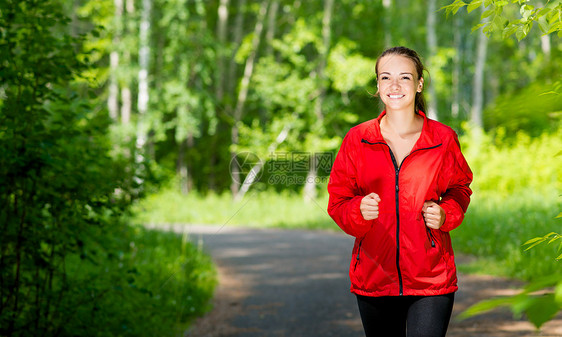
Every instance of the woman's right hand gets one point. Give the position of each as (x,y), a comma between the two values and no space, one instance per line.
(370,206)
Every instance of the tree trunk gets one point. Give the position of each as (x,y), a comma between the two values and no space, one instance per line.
(387,20)
(126,96)
(222,23)
(254,172)
(182,166)
(143,95)
(545,46)
(326,37)
(270,34)
(455,104)
(237,40)
(243,93)
(478,82)
(432,51)
(113,96)
(309,189)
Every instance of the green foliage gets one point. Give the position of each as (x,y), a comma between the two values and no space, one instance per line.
(498,16)
(538,308)
(516,165)
(521,110)
(69,266)
(550,237)
(257,209)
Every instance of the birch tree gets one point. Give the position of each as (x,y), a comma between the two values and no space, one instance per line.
(432,51)
(478,81)
(113,97)
(143,95)
(311,177)
(243,92)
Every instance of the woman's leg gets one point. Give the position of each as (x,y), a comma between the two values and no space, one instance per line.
(428,316)
(383,316)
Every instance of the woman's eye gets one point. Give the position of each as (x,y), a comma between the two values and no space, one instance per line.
(384,78)
(406,78)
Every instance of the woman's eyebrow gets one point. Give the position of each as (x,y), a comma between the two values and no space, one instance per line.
(387,73)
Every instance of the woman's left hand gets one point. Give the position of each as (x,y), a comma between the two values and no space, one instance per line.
(433,214)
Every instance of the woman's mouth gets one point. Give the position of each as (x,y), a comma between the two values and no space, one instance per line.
(395,96)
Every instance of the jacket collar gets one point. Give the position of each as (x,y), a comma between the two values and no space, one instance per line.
(428,137)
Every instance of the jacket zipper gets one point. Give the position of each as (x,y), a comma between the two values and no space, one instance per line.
(397,192)
(430,236)
(357,258)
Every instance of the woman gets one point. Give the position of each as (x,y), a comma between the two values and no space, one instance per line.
(399,184)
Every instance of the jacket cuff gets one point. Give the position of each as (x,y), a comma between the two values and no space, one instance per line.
(453,215)
(358,222)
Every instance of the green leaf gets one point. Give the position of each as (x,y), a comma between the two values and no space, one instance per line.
(558,293)
(486,305)
(487,13)
(540,238)
(542,309)
(509,30)
(475,28)
(559,215)
(520,33)
(474,5)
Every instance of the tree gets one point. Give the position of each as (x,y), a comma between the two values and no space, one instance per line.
(57,180)
(538,309)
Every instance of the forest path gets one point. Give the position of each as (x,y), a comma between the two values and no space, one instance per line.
(295,283)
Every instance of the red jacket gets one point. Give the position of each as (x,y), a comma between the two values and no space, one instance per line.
(396,254)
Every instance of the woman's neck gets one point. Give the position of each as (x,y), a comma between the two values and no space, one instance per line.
(402,122)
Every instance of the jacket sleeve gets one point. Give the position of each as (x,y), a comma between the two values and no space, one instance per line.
(456,198)
(345,195)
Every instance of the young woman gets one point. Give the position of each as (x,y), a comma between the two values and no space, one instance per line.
(399,184)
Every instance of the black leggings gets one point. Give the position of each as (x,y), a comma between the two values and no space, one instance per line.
(401,316)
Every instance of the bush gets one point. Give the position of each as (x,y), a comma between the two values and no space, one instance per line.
(69,265)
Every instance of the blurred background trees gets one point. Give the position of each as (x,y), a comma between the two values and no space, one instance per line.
(104,102)
(223,77)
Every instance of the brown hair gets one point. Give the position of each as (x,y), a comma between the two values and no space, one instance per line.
(412,55)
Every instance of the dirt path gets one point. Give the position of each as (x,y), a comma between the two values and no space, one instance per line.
(295,283)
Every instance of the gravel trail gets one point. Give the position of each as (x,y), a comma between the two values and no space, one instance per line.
(295,283)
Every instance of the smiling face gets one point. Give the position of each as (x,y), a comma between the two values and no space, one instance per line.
(398,82)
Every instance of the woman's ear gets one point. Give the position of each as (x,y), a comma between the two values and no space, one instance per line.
(420,85)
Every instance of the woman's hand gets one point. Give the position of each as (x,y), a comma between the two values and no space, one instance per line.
(433,214)
(370,206)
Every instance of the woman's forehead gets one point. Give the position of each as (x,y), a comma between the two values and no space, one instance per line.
(394,63)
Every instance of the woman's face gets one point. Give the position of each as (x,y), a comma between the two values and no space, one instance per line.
(398,82)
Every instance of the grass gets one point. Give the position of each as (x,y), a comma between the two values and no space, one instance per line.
(494,228)
(155,285)
(255,210)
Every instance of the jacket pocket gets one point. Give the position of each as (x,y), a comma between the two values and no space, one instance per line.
(358,255)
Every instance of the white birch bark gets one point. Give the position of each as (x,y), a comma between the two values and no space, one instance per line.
(243,93)
(455,90)
(309,190)
(237,39)
(126,96)
(143,96)
(387,19)
(478,81)
(222,23)
(432,51)
(270,34)
(113,95)
(255,170)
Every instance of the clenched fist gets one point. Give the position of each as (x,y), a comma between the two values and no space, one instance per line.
(370,206)
(433,214)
